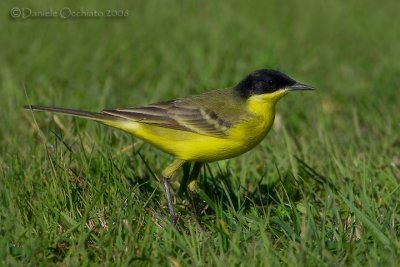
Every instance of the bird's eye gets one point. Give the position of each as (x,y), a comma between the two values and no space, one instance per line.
(271,83)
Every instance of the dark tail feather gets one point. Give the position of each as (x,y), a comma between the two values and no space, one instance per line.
(74,112)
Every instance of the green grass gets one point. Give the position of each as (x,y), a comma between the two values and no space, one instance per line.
(321,190)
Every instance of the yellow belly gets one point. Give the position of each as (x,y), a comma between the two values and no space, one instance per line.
(197,147)
(191,146)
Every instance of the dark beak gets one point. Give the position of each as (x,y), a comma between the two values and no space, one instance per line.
(300,86)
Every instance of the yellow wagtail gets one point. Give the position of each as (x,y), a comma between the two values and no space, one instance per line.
(215,125)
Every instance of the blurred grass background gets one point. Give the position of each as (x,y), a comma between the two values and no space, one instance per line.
(76,193)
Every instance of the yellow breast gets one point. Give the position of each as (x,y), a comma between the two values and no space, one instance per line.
(198,147)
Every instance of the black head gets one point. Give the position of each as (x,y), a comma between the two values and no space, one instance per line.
(266,81)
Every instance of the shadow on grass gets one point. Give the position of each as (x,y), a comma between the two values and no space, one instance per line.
(220,189)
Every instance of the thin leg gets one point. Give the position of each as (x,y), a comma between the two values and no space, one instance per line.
(167,189)
(166,175)
(192,185)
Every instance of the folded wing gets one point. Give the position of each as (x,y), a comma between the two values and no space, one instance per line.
(193,115)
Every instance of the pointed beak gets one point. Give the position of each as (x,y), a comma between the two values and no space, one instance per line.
(300,86)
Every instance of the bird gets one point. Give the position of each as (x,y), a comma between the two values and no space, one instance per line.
(207,127)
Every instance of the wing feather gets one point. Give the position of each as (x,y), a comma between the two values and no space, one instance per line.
(190,114)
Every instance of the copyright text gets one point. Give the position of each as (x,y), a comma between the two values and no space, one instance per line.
(66,13)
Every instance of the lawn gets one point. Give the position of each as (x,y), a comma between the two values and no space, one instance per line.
(322,189)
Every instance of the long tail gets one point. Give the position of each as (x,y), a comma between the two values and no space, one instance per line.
(97,116)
